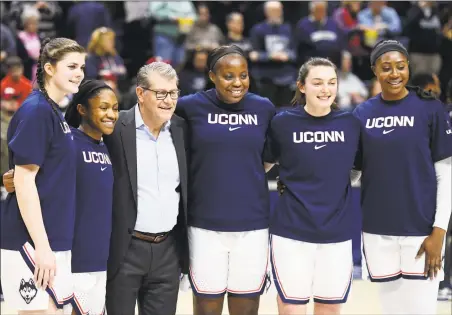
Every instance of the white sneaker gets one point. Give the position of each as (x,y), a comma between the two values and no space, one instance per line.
(445,294)
(184,284)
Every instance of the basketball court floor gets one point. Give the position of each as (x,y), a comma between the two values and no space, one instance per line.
(363,300)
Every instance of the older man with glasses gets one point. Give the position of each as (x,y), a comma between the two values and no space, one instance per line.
(148,248)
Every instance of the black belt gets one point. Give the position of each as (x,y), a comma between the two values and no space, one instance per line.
(151,237)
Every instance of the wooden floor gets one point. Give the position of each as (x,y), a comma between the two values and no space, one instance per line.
(362,300)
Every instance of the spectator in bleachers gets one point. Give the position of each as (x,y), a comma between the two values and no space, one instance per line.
(137,27)
(273,56)
(346,17)
(449,105)
(15,80)
(445,74)
(117,14)
(7,43)
(103,59)
(193,78)
(30,40)
(235,25)
(172,22)
(317,35)
(220,10)
(8,105)
(50,12)
(3,14)
(351,90)
(428,82)
(129,97)
(111,80)
(204,34)
(378,21)
(235,36)
(423,28)
(84,17)
(7,46)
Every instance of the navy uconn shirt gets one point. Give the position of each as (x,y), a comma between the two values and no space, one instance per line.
(229,190)
(315,155)
(401,141)
(93,206)
(36,135)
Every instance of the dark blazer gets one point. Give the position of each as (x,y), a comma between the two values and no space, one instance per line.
(121,145)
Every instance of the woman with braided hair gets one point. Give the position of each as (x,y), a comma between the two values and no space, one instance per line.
(37,222)
(91,114)
(405,159)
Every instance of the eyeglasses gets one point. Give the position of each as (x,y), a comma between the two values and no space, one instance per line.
(161,95)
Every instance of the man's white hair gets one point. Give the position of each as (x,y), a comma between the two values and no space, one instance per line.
(313,4)
(270,4)
(161,68)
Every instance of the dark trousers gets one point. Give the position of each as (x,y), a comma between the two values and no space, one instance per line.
(150,274)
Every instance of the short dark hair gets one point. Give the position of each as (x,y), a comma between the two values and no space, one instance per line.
(230,16)
(14,61)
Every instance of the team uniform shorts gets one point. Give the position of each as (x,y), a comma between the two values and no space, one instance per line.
(19,289)
(233,262)
(392,257)
(302,270)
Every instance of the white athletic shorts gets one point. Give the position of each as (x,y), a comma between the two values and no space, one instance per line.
(19,289)
(392,257)
(89,292)
(303,270)
(235,262)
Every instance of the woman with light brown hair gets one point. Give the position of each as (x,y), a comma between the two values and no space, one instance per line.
(103,59)
(37,220)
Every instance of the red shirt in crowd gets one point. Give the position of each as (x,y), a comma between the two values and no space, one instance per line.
(22,87)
